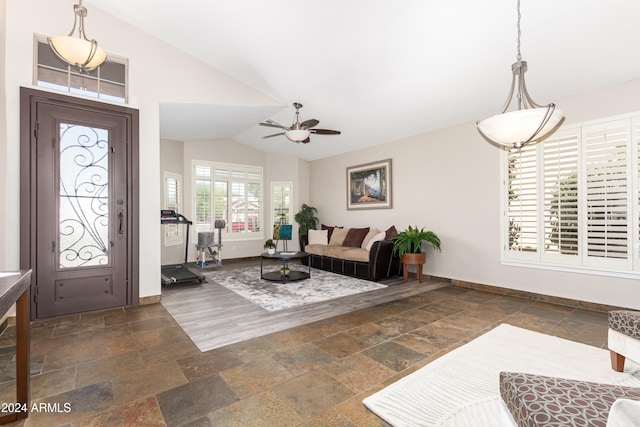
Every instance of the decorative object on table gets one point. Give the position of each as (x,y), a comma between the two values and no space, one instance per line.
(78,51)
(298,131)
(408,246)
(270,246)
(307,220)
(284,233)
(369,186)
(530,122)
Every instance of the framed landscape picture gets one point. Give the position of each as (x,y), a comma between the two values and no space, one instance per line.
(369,186)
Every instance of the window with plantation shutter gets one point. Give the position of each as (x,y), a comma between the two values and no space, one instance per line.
(173,201)
(232,193)
(521,206)
(606,189)
(560,166)
(573,200)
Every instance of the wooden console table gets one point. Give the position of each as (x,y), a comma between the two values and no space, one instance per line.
(15,288)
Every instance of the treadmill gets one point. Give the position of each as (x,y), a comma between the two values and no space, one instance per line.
(177,273)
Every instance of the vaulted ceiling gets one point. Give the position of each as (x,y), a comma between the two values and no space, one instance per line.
(382,70)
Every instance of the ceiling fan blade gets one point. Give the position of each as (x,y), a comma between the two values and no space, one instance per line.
(275,134)
(306,141)
(309,123)
(273,124)
(325,131)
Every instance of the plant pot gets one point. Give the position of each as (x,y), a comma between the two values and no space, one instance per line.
(284,271)
(411,258)
(271,251)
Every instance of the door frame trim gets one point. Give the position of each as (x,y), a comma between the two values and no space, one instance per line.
(28,170)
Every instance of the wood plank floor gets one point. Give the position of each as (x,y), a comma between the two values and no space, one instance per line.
(214,316)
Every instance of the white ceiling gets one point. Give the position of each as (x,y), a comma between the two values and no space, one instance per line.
(382,70)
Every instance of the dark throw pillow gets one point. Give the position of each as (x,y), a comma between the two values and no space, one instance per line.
(355,236)
(390,233)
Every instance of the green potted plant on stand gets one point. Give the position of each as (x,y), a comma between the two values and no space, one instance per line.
(307,220)
(270,247)
(407,245)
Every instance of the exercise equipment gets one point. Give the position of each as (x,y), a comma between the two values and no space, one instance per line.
(176,273)
(208,249)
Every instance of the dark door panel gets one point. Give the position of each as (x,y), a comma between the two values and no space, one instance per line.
(81,231)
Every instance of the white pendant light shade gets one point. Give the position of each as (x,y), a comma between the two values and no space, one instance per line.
(529,121)
(78,52)
(520,127)
(297,135)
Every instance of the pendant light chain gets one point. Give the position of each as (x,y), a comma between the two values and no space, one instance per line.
(519,33)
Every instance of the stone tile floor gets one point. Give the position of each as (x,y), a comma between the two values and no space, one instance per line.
(136,367)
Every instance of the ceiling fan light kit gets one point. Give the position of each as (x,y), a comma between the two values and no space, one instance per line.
(78,51)
(529,122)
(298,131)
(297,135)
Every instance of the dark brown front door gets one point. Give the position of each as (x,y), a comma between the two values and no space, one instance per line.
(82,224)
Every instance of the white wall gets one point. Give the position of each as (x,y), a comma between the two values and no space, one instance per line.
(157,73)
(449,181)
(171,153)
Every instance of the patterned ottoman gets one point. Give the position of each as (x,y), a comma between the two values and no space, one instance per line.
(536,400)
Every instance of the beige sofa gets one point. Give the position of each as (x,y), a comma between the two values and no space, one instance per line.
(366,253)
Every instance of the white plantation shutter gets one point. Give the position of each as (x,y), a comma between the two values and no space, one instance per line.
(573,200)
(203,200)
(229,192)
(606,190)
(560,162)
(522,211)
(173,200)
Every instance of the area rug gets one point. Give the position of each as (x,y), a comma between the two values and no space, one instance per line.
(275,296)
(461,388)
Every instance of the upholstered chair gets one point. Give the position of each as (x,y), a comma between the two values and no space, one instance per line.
(624,337)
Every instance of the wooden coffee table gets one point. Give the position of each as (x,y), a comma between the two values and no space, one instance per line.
(285,258)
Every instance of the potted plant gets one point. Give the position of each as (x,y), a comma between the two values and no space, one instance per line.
(270,247)
(307,220)
(407,245)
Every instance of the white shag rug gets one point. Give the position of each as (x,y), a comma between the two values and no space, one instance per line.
(461,388)
(274,296)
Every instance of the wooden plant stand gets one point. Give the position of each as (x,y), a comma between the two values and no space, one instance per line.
(413,259)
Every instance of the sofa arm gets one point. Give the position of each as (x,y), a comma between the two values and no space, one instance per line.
(382,262)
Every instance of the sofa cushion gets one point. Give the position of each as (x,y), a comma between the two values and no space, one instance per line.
(315,249)
(368,237)
(334,251)
(355,254)
(377,238)
(329,229)
(318,237)
(355,236)
(390,233)
(338,236)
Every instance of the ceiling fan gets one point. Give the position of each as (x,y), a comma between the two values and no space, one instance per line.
(298,132)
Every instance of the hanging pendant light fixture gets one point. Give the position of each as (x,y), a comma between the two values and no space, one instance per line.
(78,51)
(530,122)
